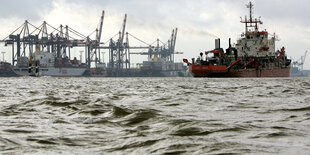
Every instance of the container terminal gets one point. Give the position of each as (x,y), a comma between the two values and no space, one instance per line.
(47,51)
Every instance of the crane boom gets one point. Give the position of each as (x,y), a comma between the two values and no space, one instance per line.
(174,39)
(171,41)
(304,58)
(123,30)
(100,27)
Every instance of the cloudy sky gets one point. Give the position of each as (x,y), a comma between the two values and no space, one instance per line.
(199,21)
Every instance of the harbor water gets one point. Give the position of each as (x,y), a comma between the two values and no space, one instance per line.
(49,115)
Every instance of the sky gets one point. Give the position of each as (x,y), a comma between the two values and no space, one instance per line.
(199,22)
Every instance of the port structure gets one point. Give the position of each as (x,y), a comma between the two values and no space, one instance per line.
(59,41)
(24,42)
(120,50)
(165,51)
(300,63)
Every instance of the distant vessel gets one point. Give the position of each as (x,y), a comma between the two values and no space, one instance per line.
(150,68)
(46,64)
(99,71)
(297,69)
(253,55)
(6,70)
(162,68)
(159,64)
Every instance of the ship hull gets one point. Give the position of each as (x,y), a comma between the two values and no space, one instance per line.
(6,70)
(51,71)
(7,73)
(197,71)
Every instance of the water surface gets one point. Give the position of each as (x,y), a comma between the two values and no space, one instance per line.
(154,116)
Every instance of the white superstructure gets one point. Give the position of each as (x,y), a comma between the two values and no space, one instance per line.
(50,66)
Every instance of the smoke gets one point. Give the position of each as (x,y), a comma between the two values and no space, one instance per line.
(166,26)
(197,32)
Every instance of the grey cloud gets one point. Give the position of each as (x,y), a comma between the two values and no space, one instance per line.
(162,10)
(284,10)
(24,9)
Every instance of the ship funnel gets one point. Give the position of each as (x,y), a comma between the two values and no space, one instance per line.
(217,43)
(229,42)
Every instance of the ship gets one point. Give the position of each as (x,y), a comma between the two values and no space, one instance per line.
(6,70)
(254,55)
(149,68)
(160,67)
(100,70)
(47,64)
(160,63)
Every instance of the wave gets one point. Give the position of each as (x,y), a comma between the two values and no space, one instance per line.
(19,131)
(140,116)
(297,109)
(194,131)
(52,101)
(138,144)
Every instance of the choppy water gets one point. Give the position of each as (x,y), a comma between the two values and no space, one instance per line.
(154,116)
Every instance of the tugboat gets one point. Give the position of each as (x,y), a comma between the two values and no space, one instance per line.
(253,55)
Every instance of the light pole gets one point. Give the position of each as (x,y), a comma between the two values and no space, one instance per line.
(102,56)
(81,56)
(3,56)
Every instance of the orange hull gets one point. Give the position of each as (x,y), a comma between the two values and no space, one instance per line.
(221,71)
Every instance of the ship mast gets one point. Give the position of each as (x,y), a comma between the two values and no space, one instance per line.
(251,22)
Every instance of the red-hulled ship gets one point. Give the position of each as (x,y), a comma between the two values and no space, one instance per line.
(253,55)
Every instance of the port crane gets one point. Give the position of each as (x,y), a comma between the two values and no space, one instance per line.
(300,63)
(166,51)
(28,39)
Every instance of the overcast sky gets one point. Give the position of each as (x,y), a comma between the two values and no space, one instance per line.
(199,21)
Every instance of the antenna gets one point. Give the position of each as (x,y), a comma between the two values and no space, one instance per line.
(250,6)
(251,23)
